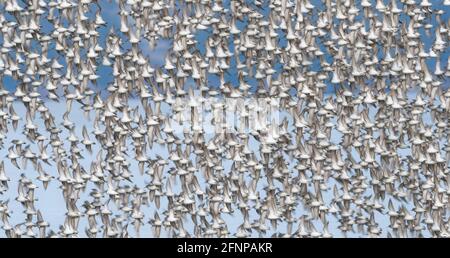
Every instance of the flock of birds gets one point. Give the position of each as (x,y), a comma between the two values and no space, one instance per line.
(364,141)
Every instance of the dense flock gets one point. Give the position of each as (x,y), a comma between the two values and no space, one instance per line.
(340,127)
